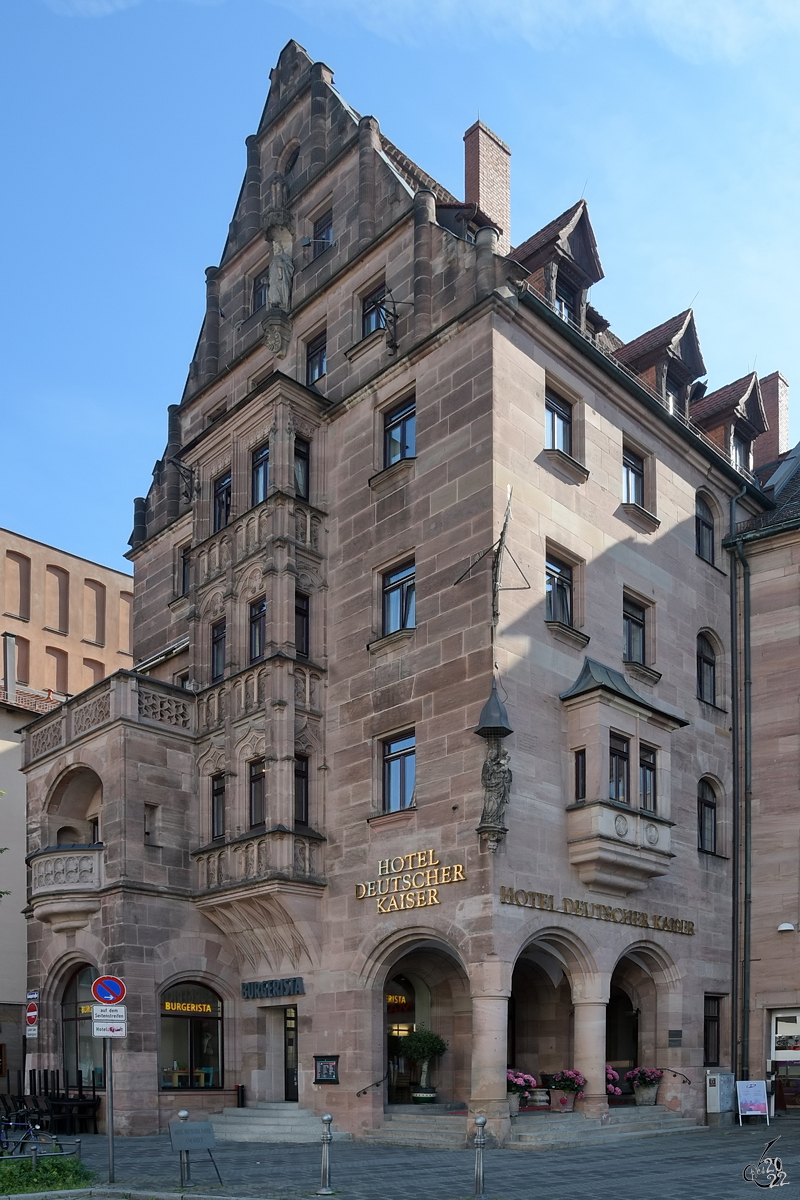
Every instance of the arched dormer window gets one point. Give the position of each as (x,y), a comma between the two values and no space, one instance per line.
(706,670)
(704,529)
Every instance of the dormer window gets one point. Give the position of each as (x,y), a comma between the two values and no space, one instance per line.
(566,301)
(742,453)
(674,393)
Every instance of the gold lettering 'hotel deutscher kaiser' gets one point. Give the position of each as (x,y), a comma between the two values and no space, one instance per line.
(430,718)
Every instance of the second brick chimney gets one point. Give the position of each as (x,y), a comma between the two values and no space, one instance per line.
(775,442)
(487,178)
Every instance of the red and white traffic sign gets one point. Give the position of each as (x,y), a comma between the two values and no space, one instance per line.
(31,1013)
(108,989)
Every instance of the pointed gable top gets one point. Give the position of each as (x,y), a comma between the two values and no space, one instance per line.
(596,676)
(678,334)
(742,398)
(288,74)
(572,234)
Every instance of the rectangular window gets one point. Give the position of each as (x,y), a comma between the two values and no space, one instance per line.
(322,237)
(258,794)
(217,807)
(706,818)
(316,358)
(302,461)
(580,774)
(373,311)
(647,778)
(619,769)
(711,1016)
(399,772)
(259,474)
(557,423)
(742,453)
(566,305)
(633,631)
(218,632)
(258,629)
(400,432)
(186,570)
(222,501)
(260,285)
(558,588)
(399,598)
(300,790)
(302,607)
(150,824)
(632,478)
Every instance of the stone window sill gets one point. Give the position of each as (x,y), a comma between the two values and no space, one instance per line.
(566,633)
(380,820)
(372,339)
(643,673)
(640,517)
(17,617)
(393,477)
(391,641)
(568,465)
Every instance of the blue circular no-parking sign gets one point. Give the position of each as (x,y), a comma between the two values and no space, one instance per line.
(108,990)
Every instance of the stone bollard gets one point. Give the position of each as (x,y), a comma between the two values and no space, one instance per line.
(480,1142)
(325,1188)
(186,1177)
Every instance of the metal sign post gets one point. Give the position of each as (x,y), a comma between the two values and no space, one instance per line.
(110,1105)
(109,1021)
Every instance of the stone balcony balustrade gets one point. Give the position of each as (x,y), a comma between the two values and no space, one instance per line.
(272,855)
(65,885)
(124,695)
(616,848)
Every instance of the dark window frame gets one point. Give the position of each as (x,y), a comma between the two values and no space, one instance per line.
(219,634)
(741,449)
(373,311)
(259,474)
(580,774)
(566,300)
(399,598)
(704,530)
(706,670)
(559,591)
(633,472)
(322,233)
(712,1006)
(195,1075)
(223,494)
(257,792)
(302,468)
(706,817)
(185,570)
(619,768)
(557,419)
(301,791)
(302,625)
(260,290)
(396,750)
(317,358)
(634,631)
(257,629)
(648,778)
(400,430)
(218,807)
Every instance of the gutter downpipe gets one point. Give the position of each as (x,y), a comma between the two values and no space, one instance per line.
(735,832)
(748,815)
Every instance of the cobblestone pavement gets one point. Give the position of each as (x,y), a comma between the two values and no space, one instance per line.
(705,1166)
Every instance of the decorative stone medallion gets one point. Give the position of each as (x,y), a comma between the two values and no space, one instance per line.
(651,833)
(621,825)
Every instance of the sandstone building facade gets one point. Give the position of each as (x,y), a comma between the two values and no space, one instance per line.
(305,849)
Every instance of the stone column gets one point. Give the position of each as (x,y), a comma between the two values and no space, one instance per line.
(250,214)
(486,240)
(424,217)
(491,988)
(590,1053)
(369,144)
(209,352)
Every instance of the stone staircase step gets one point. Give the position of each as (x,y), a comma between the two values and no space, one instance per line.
(271,1121)
(608,1136)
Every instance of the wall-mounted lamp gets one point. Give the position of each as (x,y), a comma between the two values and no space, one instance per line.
(786,927)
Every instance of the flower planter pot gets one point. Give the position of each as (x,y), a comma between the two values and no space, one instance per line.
(561,1101)
(646,1094)
(513,1103)
(423,1095)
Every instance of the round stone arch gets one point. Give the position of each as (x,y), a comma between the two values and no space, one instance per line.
(648,975)
(73,806)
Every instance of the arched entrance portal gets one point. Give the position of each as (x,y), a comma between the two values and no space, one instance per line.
(540,1015)
(428,987)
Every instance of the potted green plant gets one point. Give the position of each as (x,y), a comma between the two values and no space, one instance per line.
(645,1082)
(420,1047)
(565,1088)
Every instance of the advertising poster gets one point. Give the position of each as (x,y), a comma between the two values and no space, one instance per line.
(752,1097)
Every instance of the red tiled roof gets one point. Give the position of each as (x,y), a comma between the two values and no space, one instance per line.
(728,397)
(663,335)
(548,234)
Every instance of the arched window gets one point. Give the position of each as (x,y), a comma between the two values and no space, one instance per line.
(83,1054)
(706,817)
(706,670)
(191,1037)
(704,529)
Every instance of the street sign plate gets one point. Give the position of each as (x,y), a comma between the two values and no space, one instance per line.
(31,1031)
(109,1012)
(108,989)
(192,1135)
(31,1013)
(34,995)
(110,1029)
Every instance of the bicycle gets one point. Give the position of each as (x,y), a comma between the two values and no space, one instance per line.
(32,1136)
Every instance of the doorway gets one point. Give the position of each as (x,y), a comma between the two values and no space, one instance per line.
(290,1053)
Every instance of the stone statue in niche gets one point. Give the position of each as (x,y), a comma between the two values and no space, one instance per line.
(496,780)
(278,225)
(281,269)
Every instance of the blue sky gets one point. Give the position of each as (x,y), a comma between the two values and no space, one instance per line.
(123,138)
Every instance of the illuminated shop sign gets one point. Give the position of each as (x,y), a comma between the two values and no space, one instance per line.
(409,881)
(267,989)
(596,912)
(183,1006)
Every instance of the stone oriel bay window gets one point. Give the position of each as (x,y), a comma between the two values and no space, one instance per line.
(618,833)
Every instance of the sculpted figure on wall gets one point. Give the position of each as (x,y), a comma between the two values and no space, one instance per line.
(496,779)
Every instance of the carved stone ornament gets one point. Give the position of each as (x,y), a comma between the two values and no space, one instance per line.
(496,779)
(277,332)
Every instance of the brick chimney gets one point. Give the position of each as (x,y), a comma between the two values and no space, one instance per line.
(771,445)
(487,178)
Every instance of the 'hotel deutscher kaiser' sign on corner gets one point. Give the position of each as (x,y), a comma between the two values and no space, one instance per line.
(409,881)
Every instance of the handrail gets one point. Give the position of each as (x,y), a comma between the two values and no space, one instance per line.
(377,1083)
(675,1073)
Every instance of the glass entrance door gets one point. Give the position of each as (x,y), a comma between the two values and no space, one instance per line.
(290,1053)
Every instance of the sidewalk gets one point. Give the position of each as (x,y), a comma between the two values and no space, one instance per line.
(669,1168)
